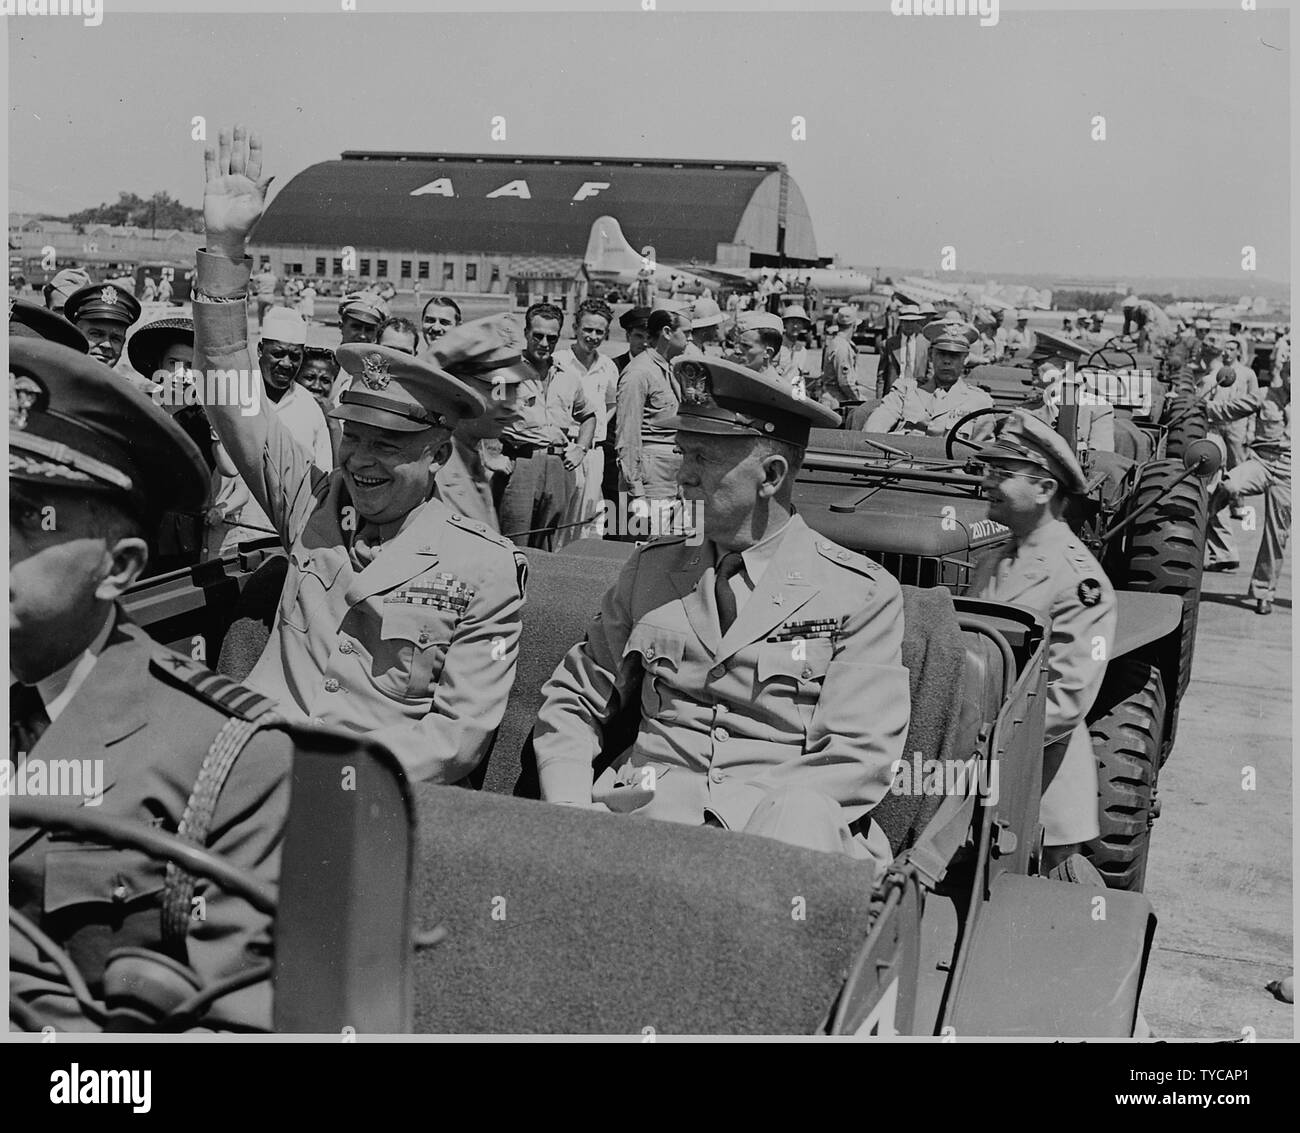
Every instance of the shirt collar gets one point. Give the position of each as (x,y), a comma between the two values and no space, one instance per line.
(58,689)
(758,557)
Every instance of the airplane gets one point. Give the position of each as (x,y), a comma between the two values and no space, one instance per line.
(611,259)
(997,297)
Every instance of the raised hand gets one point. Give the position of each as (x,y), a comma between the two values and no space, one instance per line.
(234,193)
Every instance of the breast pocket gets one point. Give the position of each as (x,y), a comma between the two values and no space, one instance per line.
(307,586)
(414,640)
(660,651)
(793,671)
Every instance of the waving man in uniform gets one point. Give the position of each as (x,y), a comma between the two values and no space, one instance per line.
(399,619)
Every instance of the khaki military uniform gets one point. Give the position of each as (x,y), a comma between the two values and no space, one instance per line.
(464,484)
(1053,573)
(806,690)
(415,650)
(150,715)
(909,408)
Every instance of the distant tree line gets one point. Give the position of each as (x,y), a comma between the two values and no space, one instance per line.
(158,211)
(1068,300)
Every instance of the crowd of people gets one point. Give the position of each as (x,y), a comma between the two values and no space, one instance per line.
(405,470)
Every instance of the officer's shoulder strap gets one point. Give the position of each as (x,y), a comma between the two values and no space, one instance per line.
(474,527)
(850,560)
(221,693)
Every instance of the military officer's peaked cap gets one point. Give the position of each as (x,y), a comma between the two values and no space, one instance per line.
(635,318)
(723,399)
(393,390)
(951,335)
(102,301)
(364,306)
(74,423)
(488,350)
(145,349)
(30,320)
(1024,437)
(1049,345)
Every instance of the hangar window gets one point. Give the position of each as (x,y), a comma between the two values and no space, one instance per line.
(471,273)
(406,269)
(496,273)
(337,268)
(449,273)
(320,265)
(364,267)
(293,269)
(424,269)
(381,269)
(264,261)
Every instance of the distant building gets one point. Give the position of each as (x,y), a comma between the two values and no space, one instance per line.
(519,225)
(106,251)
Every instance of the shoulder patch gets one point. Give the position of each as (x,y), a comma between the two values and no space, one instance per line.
(521,572)
(475,527)
(1090,592)
(220,692)
(843,557)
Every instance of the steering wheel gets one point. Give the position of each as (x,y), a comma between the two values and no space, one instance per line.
(952,438)
(1108,348)
(111,830)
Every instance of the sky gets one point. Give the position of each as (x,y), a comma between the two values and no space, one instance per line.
(921,132)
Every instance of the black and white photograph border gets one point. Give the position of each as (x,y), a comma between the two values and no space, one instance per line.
(512,506)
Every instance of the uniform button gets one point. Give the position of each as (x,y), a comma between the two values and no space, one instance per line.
(716,776)
(346,646)
(718,671)
(424,637)
(650,653)
(331,684)
(119,892)
(721,734)
(806,673)
(843,556)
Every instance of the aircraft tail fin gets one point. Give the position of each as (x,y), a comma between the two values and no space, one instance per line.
(608,249)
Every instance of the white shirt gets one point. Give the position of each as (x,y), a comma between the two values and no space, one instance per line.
(58,689)
(599,384)
(756,560)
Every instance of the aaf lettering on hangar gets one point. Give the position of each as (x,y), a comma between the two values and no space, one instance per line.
(442,187)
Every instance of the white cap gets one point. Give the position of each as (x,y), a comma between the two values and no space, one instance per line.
(284,325)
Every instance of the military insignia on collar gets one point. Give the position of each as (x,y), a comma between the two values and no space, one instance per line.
(25,394)
(1090,592)
(109,296)
(375,372)
(696,387)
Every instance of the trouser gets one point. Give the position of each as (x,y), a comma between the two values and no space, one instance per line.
(659,465)
(535,499)
(801,817)
(582,516)
(1252,478)
(1128,321)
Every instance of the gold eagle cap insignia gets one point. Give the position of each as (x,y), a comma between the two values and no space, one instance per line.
(696,386)
(376,372)
(109,296)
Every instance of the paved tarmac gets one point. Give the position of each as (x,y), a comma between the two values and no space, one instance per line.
(1220,870)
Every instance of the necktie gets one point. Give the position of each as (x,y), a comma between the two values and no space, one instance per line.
(27,718)
(367,543)
(731,564)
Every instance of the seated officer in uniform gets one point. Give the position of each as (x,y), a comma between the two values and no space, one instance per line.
(767,661)
(92,464)
(1054,360)
(1031,473)
(399,619)
(936,405)
(487,355)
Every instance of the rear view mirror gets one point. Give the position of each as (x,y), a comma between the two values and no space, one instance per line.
(1205,457)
